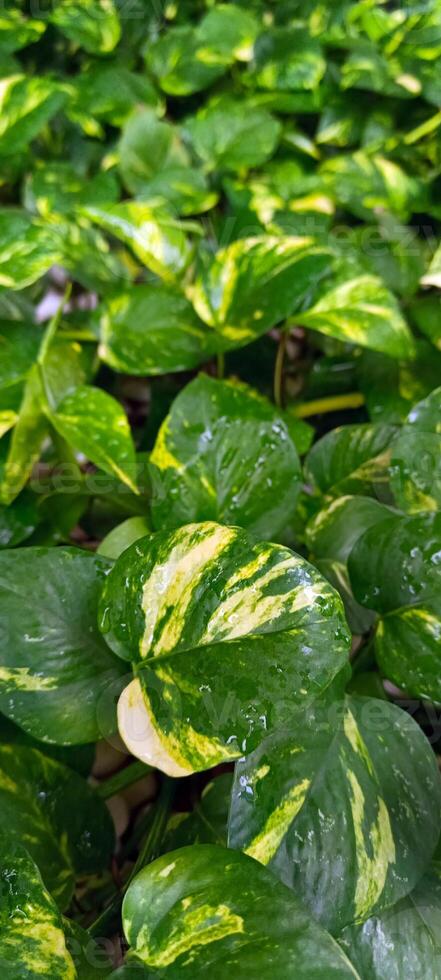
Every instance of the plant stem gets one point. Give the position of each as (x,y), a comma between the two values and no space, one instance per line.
(221,366)
(278,370)
(332,404)
(108,921)
(121,779)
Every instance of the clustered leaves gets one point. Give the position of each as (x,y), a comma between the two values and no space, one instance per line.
(220,488)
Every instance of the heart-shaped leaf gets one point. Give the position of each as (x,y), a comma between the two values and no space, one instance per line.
(255,283)
(204,909)
(226,637)
(361,311)
(93,24)
(224,453)
(54,664)
(343,860)
(95,424)
(395,569)
(351,459)
(228,135)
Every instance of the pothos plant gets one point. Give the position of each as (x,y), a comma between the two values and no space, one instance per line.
(220,485)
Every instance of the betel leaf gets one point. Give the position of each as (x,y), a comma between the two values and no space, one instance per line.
(204,909)
(402,941)
(26,105)
(364,854)
(351,459)
(152,330)
(56,815)
(32,941)
(394,569)
(415,466)
(225,635)
(95,424)
(156,238)
(224,454)
(93,24)
(54,664)
(229,135)
(255,283)
(361,311)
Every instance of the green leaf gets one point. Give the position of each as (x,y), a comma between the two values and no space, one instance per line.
(187,60)
(108,93)
(16,31)
(122,536)
(26,105)
(154,236)
(91,960)
(31,429)
(96,425)
(287,59)
(394,568)
(333,532)
(425,312)
(229,135)
(415,466)
(403,941)
(19,342)
(148,146)
(27,249)
(391,387)
(224,454)
(204,909)
(348,858)
(92,24)
(19,520)
(60,187)
(32,941)
(254,283)
(59,818)
(154,330)
(351,459)
(362,183)
(182,189)
(54,664)
(220,629)
(361,311)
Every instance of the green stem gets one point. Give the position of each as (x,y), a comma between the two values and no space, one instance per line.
(278,370)
(108,921)
(221,366)
(332,404)
(121,779)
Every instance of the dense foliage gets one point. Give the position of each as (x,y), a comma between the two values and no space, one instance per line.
(220,327)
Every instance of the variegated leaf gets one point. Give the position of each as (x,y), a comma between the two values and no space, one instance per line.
(226,637)
(403,941)
(54,666)
(206,911)
(395,569)
(56,815)
(224,453)
(352,459)
(415,466)
(343,806)
(255,283)
(364,312)
(32,941)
